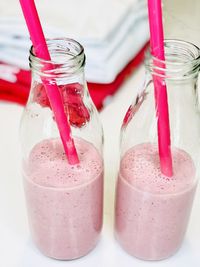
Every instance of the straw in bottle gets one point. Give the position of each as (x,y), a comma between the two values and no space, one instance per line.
(157,50)
(41,51)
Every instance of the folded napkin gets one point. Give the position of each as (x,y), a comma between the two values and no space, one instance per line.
(111,31)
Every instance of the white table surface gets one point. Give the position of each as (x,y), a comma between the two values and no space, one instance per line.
(16,247)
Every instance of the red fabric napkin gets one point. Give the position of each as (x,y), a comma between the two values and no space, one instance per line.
(15,87)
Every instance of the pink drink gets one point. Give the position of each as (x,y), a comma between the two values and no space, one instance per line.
(64,202)
(152,211)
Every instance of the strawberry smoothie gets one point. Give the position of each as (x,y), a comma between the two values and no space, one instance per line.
(151,210)
(64,202)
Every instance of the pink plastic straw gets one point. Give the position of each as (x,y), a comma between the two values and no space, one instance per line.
(41,51)
(157,50)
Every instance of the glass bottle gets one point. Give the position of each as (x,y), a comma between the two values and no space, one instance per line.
(152,210)
(64,202)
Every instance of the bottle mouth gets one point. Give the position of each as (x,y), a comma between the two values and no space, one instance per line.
(182,60)
(67,57)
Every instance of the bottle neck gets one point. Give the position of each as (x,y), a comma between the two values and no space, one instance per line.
(66,64)
(179,73)
(181,64)
(66,70)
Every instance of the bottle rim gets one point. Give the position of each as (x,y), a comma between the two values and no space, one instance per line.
(182,60)
(67,58)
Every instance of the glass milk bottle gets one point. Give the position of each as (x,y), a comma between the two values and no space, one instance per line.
(152,210)
(64,202)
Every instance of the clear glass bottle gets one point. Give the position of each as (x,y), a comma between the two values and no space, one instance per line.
(64,202)
(152,210)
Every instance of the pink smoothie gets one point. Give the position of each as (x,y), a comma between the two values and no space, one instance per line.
(151,210)
(64,202)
